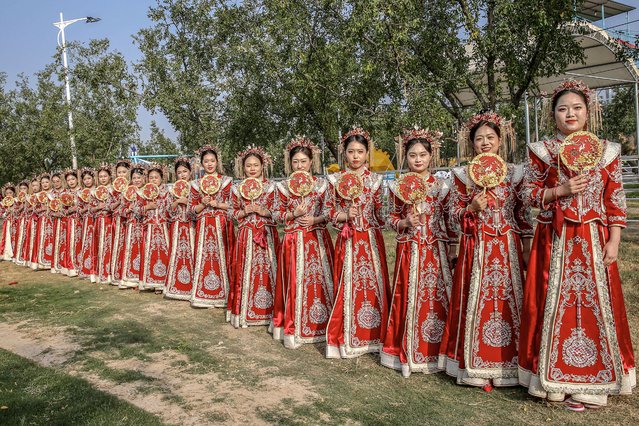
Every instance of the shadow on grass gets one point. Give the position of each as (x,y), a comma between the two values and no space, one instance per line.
(40,395)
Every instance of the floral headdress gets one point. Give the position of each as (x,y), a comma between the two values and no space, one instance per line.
(267,161)
(6,186)
(70,171)
(355,131)
(594,121)
(87,170)
(44,175)
(158,168)
(197,163)
(433,137)
(122,162)
(106,167)
(507,134)
(306,143)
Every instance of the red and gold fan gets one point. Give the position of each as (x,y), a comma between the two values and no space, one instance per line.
(150,191)
(581,151)
(300,183)
(8,201)
(131,192)
(55,205)
(487,170)
(22,196)
(181,188)
(42,197)
(101,193)
(251,189)
(210,184)
(67,199)
(120,183)
(350,186)
(85,194)
(412,188)
(33,199)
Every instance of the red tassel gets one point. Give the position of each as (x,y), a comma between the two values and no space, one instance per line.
(347,232)
(557,218)
(260,238)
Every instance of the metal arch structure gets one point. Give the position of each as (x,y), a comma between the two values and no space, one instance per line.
(601,69)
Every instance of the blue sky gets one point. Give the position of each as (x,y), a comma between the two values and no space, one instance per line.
(28,38)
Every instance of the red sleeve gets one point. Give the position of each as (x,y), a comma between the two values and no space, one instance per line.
(614,195)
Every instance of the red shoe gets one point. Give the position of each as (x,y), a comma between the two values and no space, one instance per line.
(488,387)
(572,405)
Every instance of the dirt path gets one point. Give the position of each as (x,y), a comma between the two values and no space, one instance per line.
(173,394)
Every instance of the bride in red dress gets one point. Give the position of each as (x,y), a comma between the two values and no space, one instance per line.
(154,213)
(44,255)
(118,212)
(179,283)
(358,320)
(479,346)
(6,237)
(214,235)
(59,227)
(257,244)
(73,225)
(575,340)
(304,286)
(23,221)
(87,256)
(421,290)
(104,226)
(30,247)
(134,240)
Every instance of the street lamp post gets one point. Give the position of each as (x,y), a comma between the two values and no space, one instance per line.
(62,44)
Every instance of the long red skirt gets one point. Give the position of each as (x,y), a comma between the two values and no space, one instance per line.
(304,288)
(575,338)
(358,321)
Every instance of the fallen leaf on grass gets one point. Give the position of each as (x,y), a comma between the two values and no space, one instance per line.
(13,283)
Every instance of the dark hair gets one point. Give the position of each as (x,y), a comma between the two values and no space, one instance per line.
(87,172)
(481,124)
(137,169)
(156,169)
(355,138)
(411,143)
(23,183)
(203,153)
(124,164)
(45,177)
(183,163)
(252,155)
(304,150)
(58,174)
(555,99)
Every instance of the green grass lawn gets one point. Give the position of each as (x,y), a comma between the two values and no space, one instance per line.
(190,360)
(31,394)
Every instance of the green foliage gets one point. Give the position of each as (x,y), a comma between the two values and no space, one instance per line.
(619,120)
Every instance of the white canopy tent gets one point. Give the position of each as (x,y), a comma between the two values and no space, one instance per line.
(601,70)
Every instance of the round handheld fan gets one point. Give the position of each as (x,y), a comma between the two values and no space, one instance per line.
(67,199)
(85,195)
(42,197)
(55,205)
(180,188)
(150,191)
(131,192)
(101,193)
(300,183)
(251,189)
(210,184)
(581,151)
(350,186)
(412,188)
(487,170)
(120,184)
